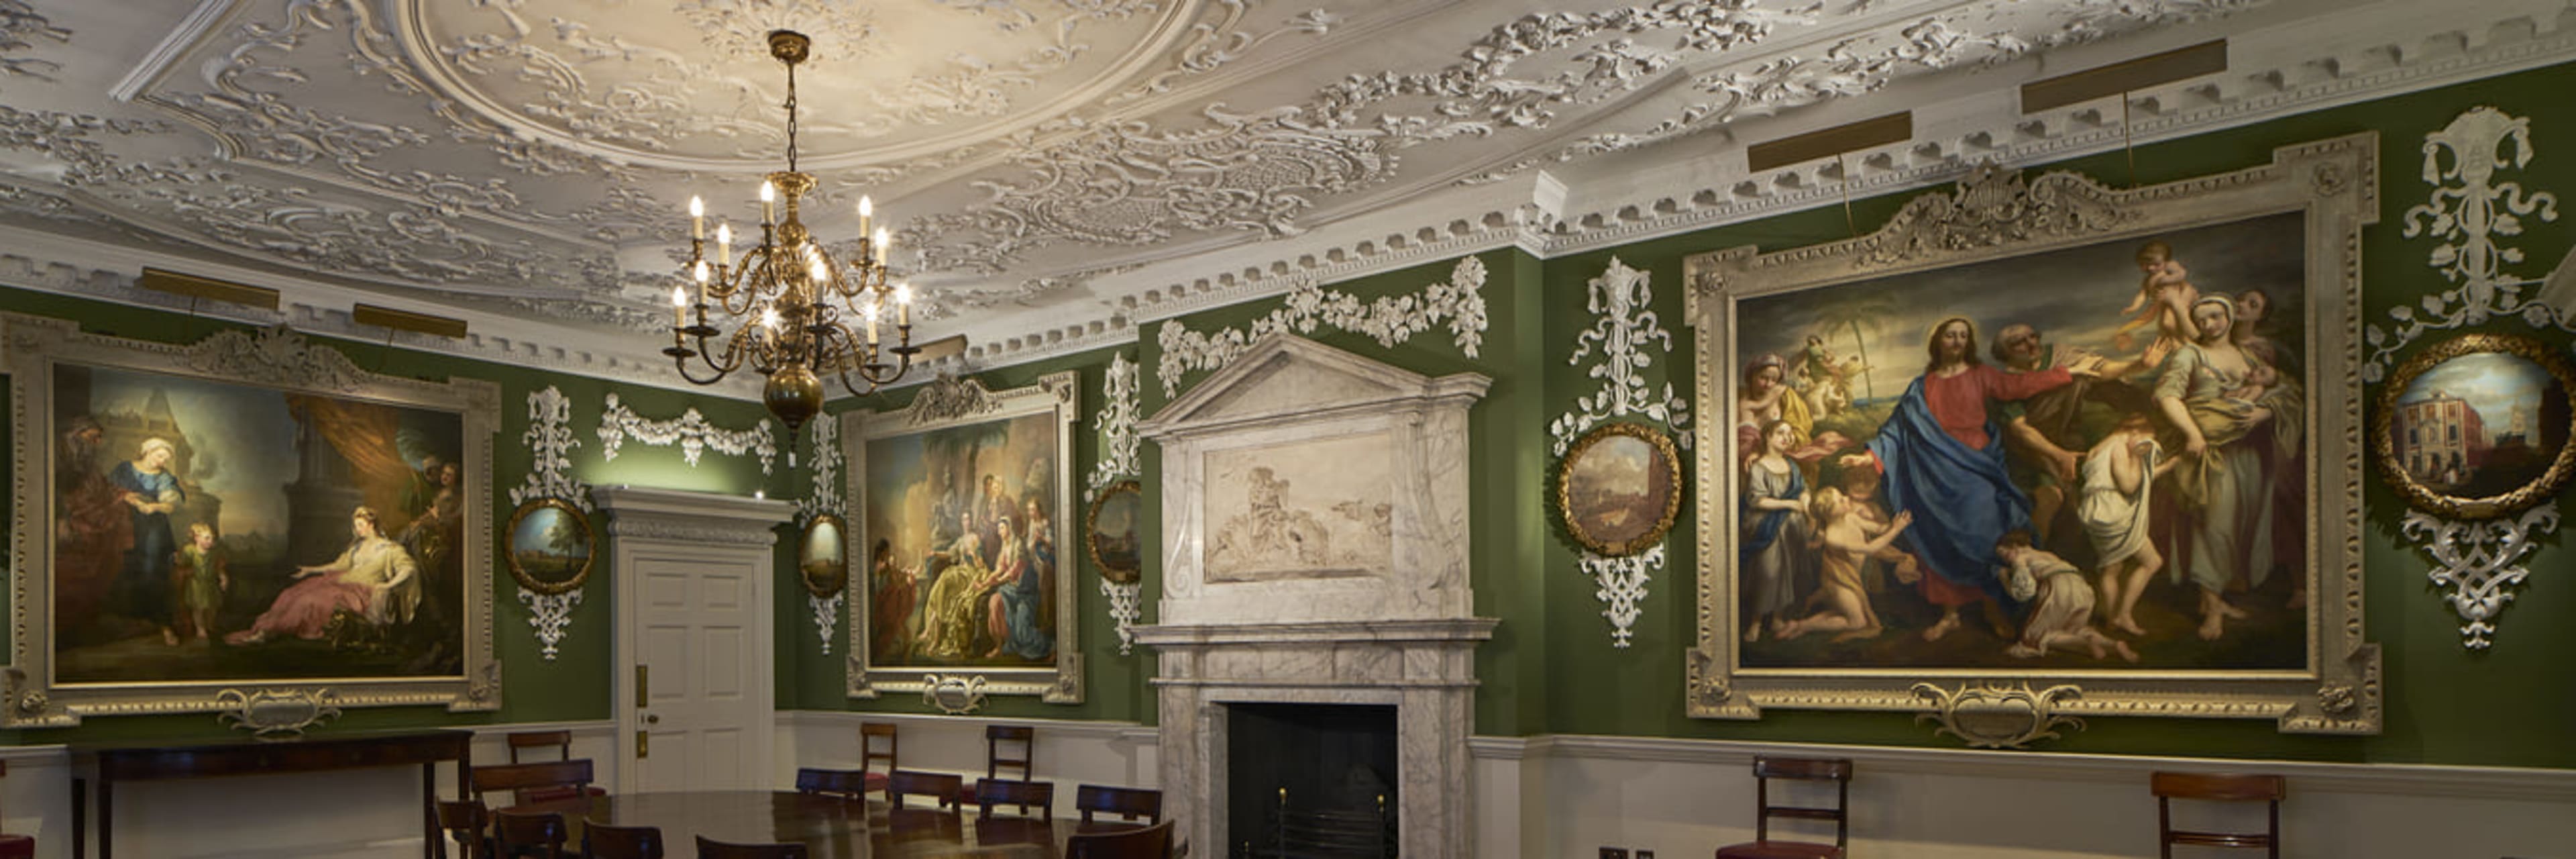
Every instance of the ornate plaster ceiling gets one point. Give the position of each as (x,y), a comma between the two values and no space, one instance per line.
(1054,168)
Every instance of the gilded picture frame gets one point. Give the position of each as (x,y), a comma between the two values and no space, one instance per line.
(357,441)
(949,455)
(823,556)
(1995,220)
(562,565)
(1123,562)
(2477,426)
(1602,465)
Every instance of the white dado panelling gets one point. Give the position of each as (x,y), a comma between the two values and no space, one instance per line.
(1565,795)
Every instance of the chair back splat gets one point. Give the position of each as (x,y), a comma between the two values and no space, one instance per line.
(2217,788)
(1129,803)
(534,836)
(1768,767)
(623,842)
(1152,842)
(942,788)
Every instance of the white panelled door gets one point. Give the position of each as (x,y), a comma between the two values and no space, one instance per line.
(693,605)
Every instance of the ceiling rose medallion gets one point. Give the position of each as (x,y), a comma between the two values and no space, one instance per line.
(797,313)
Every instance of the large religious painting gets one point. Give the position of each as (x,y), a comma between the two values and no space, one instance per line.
(965,528)
(247,513)
(2093,445)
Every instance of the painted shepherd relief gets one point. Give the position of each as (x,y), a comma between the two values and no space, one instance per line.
(214,531)
(2084,458)
(1308,509)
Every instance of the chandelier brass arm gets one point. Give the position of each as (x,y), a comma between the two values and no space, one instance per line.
(798,312)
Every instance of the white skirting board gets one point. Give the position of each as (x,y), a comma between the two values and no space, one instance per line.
(1566,795)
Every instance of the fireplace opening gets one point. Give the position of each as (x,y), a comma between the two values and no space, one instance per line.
(1311,781)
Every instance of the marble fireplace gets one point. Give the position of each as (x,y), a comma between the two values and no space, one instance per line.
(1316,544)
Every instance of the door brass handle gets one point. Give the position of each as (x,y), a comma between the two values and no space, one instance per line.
(651,719)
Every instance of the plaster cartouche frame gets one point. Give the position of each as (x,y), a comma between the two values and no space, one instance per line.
(1995,214)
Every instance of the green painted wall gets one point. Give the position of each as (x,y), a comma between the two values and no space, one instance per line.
(574,686)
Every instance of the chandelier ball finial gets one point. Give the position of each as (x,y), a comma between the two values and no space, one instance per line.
(794,394)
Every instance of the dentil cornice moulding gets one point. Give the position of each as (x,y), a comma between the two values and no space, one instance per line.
(2277,69)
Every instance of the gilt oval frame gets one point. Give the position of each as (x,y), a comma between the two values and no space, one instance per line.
(589,541)
(1672,503)
(2421,496)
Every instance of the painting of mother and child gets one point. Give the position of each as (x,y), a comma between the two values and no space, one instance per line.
(962,545)
(2085,458)
(213,531)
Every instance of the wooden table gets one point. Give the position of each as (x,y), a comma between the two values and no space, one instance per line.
(829,827)
(245,756)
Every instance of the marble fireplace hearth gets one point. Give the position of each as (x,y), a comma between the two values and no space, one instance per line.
(1315,541)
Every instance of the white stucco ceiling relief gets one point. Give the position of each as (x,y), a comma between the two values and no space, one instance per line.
(1056,171)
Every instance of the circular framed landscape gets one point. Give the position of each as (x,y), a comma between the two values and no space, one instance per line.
(551,546)
(1109,532)
(2477,427)
(823,556)
(1618,488)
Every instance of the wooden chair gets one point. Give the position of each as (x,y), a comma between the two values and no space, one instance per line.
(720,850)
(622,842)
(1129,803)
(1766,768)
(869,734)
(535,782)
(997,735)
(1151,842)
(15,846)
(2216,788)
(536,836)
(847,784)
(995,759)
(560,740)
(942,788)
(1001,791)
(465,822)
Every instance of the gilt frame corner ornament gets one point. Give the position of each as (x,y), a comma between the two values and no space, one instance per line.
(964,407)
(1996,215)
(244,366)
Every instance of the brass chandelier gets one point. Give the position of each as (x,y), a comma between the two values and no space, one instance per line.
(800,313)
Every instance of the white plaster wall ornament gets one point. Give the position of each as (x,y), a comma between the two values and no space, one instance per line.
(550,617)
(550,442)
(20,28)
(825,499)
(1626,333)
(2471,211)
(691,431)
(1458,301)
(1119,444)
(2480,562)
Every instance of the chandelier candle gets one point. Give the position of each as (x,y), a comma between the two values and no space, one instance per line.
(789,301)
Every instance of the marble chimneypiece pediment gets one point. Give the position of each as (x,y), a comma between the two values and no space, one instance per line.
(1287,376)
